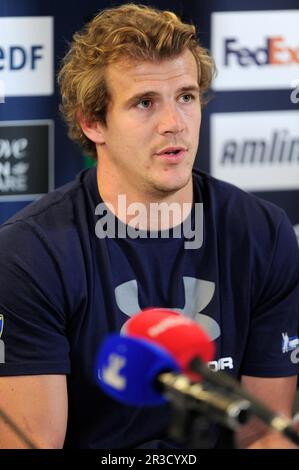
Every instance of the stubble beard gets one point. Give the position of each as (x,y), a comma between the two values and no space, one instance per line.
(163,189)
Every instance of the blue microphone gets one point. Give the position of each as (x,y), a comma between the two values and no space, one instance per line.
(128,368)
(137,372)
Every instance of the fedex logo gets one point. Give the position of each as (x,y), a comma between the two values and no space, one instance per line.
(275,51)
(266,59)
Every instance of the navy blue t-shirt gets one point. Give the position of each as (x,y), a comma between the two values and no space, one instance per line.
(62,290)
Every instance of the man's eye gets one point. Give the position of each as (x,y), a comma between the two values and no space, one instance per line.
(144,104)
(186,98)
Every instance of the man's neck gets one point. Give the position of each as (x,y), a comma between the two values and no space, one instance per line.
(147,210)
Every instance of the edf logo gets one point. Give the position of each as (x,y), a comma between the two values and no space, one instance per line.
(19,57)
(27,55)
(275,51)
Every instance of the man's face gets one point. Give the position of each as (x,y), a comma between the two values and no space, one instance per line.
(150,142)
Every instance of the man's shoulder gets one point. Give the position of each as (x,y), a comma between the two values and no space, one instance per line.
(57,205)
(52,223)
(234,202)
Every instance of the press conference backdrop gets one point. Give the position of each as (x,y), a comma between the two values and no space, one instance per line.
(250,129)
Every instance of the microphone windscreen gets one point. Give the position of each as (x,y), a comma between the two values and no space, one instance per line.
(182,337)
(127,369)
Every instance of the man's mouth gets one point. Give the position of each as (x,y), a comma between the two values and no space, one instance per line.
(172,153)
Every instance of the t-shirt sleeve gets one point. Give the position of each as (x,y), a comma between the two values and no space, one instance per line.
(273,346)
(32,307)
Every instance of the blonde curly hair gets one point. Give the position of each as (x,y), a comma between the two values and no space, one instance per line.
(129,31)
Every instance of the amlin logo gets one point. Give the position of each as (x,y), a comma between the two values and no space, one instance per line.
(257,151)
(269,58)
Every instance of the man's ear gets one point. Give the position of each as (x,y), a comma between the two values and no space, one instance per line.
(94,130)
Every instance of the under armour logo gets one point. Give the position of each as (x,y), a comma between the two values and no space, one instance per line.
(198,294)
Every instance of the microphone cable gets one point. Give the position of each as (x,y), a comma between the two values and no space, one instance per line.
(16,429)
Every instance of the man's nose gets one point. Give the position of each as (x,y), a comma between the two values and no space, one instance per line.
(170,120)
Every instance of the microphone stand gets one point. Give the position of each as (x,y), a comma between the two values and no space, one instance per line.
(193,429)
(188,427)
(193,409)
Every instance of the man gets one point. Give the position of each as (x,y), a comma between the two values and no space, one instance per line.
(132,88)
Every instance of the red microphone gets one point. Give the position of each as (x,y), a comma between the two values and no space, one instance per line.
(178,334)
